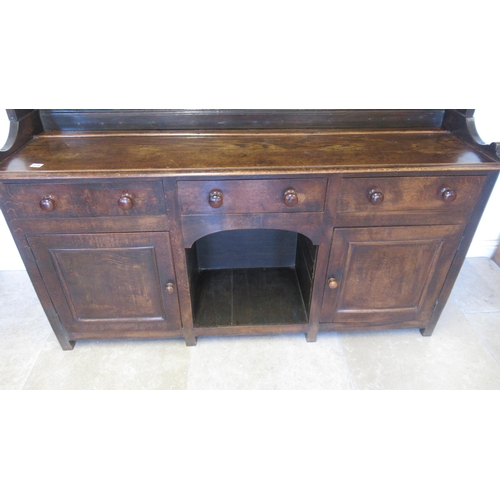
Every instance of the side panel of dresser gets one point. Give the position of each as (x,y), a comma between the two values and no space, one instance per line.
(101,270)
(33,271)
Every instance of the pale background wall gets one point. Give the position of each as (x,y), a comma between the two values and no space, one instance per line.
(484,243)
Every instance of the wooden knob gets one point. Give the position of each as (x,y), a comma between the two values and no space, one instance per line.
(126,201)
(215,198)
(333,283)
(47,203)
(376,196)
(290,197)
(448,195)
(169,288)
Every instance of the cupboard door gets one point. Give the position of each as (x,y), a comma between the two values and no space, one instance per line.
(109,282)
(387,275)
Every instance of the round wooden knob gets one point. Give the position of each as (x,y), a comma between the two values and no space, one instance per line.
(333,283)
(448,195)
(47,204)
(290,197)
(376,196)
(169,288)
(126,202)
(215,198)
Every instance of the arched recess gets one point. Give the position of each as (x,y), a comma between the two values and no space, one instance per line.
(310,225)
(251,277)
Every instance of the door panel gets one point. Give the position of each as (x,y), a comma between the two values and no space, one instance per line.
(109,282)
(387,275)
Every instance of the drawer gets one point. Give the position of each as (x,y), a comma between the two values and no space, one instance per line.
(50,200)
(381,195)
(252,196)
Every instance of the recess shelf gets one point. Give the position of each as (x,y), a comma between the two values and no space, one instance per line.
(255,296)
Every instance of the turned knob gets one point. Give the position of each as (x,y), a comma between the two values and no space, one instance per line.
(169,288)
(47,203)
(290,197)
(448,195)
(333,283)
(126,201)
(376,196)
(215,198)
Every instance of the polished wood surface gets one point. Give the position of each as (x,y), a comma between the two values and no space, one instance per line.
(109,282)
(88,199)
(387,274)
(244,222)
(252,196)
(216,153)
(377,195)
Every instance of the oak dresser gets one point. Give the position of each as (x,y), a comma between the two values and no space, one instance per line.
(188,223)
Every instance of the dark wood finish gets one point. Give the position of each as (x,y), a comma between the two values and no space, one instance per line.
(461,253)
(375,196)
(96,224)
(216,154)
(181,261)
(252,196)
(137,224)
(305,264)
(233,297)
(323,250)
(271,329)
(160,119)
(265,292)
(215,198)
(109,282)
(387,274)
(34,274)
(126,201)
(448,195)
(290,197)
(48,203)
(16,115)
(308,224)
(90,199)
(409,194)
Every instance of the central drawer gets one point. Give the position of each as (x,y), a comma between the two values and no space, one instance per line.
(252,196)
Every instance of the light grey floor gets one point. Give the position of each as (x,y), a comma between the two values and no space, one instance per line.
(463,352)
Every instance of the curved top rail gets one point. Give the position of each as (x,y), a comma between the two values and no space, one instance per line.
(461,123)
(24,124)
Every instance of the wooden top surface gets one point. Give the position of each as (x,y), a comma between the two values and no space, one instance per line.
(241,152)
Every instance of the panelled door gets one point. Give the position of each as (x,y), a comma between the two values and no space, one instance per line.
(121,282)
(387,275)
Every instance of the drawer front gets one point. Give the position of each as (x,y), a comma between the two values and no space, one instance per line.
(252,196)
(372,195)
(48,200)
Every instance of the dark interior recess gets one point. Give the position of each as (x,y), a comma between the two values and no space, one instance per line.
(251,277)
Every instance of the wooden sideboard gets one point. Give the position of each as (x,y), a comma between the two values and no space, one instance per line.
(184,223)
